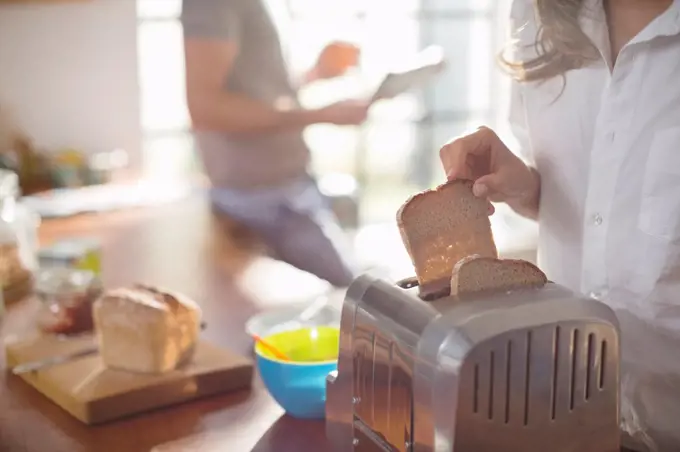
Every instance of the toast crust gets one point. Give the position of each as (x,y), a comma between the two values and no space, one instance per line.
(494,275)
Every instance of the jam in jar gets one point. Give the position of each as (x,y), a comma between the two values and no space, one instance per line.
(67,296)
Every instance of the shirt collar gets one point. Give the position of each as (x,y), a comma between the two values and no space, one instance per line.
(593,23)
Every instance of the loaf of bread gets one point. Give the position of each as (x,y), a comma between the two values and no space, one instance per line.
(145,329)
(12,268)
(475,274)
(439,228)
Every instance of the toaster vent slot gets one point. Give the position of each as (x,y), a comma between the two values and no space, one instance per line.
(527,378)
(555,372)
(374,361)
(603,363)
(492,364)
(508,388)
(575,348)
(390,371)
(475,390)
(590,364)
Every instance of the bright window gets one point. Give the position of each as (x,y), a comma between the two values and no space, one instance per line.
(397,151)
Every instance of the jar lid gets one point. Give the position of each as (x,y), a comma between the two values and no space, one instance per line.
(64,281)
(9,184)
(8,235)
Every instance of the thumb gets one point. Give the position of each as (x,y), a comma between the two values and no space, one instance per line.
(488,186)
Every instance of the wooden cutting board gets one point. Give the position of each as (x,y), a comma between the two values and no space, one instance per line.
(94,394)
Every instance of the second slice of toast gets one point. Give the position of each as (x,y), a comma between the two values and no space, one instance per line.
(475,274)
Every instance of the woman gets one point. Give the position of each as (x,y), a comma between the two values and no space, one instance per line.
(596,110)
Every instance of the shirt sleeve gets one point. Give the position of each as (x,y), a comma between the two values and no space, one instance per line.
(212,19)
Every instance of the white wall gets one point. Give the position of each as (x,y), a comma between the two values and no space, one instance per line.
(68,71)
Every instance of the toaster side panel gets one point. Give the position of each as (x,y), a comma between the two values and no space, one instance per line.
(340,384)
(388,325)
(382,380)
(552,384)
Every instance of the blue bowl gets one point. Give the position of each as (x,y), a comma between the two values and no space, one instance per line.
(299,385)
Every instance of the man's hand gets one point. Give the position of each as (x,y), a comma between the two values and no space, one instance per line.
(208,63)
(498,174)
(344,113)
(335,60)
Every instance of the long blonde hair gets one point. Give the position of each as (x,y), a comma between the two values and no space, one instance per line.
(561,45)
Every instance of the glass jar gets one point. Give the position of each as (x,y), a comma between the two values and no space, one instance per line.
(18,240)
(2,307)
(9,191)
(8,254)
(67,296)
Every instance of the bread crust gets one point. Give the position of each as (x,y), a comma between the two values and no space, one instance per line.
(527,274)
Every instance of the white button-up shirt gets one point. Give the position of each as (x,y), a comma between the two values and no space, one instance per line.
(608,152)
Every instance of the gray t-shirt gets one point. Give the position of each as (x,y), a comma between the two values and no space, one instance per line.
(259,72)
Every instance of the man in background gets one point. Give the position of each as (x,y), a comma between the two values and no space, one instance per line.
(248,126)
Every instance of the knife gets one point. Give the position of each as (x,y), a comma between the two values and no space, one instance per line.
(34,366)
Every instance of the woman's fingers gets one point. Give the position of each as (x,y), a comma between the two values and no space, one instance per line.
(490,186)
(480,190)
(470,157)
(457,156)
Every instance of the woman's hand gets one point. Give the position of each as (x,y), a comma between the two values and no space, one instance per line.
(498,174)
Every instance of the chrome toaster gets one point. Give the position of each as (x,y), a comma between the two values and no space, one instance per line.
(534,370)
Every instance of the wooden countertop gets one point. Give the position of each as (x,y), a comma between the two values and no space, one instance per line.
(182,247)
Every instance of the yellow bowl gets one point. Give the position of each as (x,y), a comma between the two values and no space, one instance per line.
(316,345)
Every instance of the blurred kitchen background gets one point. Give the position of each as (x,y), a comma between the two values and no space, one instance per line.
(100,83)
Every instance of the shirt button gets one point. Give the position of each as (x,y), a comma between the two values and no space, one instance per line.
(597,219)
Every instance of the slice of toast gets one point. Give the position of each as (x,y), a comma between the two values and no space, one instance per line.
(439,228)
(476,274)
